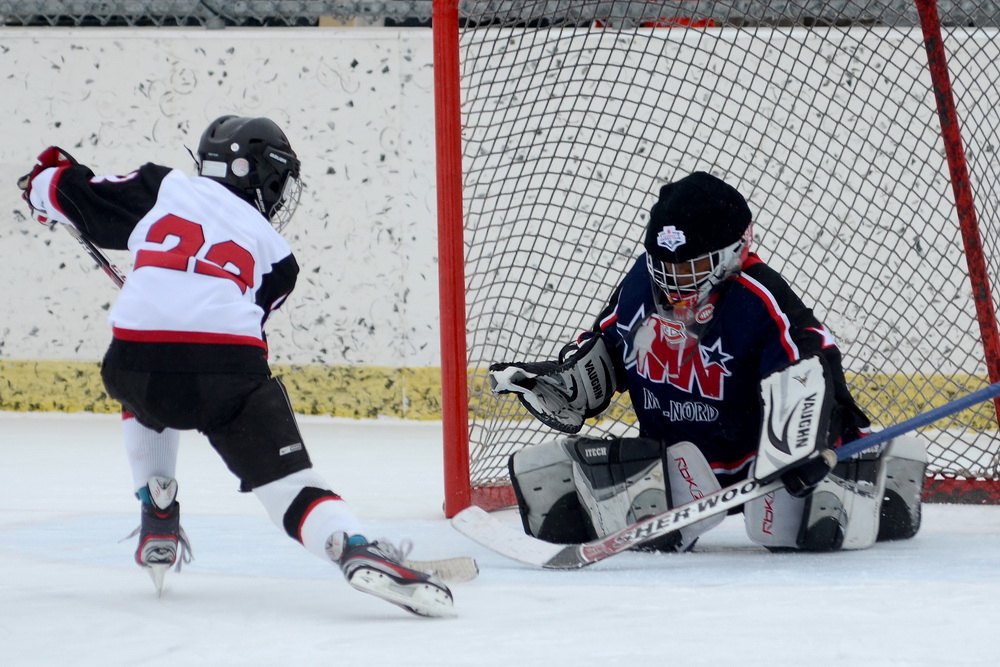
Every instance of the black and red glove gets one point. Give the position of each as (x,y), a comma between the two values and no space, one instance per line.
(53,156)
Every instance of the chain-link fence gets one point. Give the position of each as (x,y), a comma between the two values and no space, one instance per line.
(213,14)
(524,13)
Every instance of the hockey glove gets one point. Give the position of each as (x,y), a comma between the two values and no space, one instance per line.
(561,394)
(53,156)
(801,479)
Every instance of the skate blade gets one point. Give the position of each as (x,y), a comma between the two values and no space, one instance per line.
(422,599)
(157,573)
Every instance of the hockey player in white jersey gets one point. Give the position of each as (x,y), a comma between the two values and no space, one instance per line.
(188,349)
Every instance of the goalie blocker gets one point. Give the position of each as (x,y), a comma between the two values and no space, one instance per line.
(577,489)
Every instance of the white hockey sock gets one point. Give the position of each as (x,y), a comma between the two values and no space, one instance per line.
(150,454)
(322,520)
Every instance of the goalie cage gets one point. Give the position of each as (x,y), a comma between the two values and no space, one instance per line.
(864,135)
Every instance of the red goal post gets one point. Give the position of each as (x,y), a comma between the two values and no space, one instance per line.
(864,135)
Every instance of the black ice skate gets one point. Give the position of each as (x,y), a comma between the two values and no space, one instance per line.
(377,568)
(162,542)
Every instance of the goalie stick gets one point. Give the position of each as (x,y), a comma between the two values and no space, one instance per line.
(508,541)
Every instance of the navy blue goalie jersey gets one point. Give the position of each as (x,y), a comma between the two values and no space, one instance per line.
(696,377)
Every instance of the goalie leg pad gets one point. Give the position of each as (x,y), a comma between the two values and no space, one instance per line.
(640,479)
(859,483)
(825,520)
(578,489)
(780,521)
(773,520)
(689,478)
(841,513)
(905,466)
(542,477)
(619,481)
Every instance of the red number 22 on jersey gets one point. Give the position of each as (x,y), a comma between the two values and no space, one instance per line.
(191,238)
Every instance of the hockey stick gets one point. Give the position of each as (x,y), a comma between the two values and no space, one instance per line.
(57,157)
(506,540)
(98,256)
(448,570)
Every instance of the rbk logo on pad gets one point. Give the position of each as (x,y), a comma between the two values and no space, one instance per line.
(670,238)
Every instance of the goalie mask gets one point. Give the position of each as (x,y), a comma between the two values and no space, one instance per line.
(698,236)
(253,158)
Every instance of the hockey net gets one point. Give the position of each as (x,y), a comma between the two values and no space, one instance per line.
(871,195)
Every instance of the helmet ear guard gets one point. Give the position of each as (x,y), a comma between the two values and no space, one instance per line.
(253,158)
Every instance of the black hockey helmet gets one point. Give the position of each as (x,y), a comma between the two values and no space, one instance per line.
(698,235)
(253,158)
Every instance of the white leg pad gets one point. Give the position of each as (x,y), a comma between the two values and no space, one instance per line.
(610,508)
(614,482)
(774,520)
(851,497)
(862,502)
(691,478)
(905,466)
(544,472)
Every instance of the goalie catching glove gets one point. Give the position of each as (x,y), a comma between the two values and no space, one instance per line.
(561,394)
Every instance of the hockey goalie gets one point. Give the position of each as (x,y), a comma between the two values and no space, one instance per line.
(730,376)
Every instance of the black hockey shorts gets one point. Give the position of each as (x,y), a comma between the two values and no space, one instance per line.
(246,416)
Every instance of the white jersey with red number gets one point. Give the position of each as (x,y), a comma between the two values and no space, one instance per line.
(207,266)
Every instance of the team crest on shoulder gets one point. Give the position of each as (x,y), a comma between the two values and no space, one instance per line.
(704,314)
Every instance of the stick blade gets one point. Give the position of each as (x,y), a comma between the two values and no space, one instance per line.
(456,570)
(495,535)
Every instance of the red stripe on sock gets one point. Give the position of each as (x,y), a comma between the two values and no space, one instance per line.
(309,510)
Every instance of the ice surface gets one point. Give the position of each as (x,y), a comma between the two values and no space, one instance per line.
(70,594)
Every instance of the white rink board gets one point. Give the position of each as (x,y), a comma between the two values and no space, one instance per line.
(357,105)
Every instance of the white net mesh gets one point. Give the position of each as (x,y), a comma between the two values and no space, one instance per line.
(822,114)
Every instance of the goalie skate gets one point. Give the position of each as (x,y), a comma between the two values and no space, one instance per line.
(377,568)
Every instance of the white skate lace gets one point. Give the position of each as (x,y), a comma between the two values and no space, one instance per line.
(397,554)
(185,555)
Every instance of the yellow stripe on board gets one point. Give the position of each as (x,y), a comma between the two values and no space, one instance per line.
(366,392)
(341,391)
(886,399)
(890,399)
